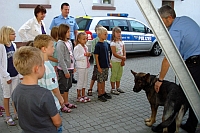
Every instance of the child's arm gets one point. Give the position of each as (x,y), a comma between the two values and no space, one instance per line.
(113,48)
(56,120)
(56,92)
(97,62)
(51,58)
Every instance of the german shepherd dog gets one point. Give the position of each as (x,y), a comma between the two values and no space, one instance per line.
(170,96)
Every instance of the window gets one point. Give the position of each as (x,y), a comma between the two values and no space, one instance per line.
(105,23)
(170,3)
(83,23)
(102,2)
(137,27)
(120,23)
(103,5)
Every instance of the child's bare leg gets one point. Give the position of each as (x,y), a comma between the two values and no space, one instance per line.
(92,84)
(78,93)
(99,88)
(65,97)
(112,85)
(103,87)
(83,92)
(6,106)
(117,84)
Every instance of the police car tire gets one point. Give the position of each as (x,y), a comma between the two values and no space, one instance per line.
(156,50)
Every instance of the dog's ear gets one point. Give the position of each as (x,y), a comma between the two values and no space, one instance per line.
(147,76)
(134,73)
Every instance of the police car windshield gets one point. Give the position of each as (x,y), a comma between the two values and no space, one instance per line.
(83,23)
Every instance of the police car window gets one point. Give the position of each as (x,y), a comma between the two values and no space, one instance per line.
(82,23)
(137,27)
(121,24)
(104,23)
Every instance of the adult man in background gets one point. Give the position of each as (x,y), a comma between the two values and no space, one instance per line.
(186,35)
(64,18)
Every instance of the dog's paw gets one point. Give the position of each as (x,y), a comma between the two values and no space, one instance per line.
(149,124)
(147,120)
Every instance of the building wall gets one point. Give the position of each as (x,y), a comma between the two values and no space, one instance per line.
(14,16)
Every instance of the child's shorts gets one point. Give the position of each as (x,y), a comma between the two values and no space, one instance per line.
(94,74)
(64,83)
(116,71)
(101,77)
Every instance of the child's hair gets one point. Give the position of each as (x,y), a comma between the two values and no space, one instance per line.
(97,26)
(54,33)
(42,41)
(62,30)
(115,29)
(100,30)
(79,36)
(29,43)
(25,58)
(5,34)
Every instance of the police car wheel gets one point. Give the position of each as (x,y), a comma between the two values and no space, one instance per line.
(156,50)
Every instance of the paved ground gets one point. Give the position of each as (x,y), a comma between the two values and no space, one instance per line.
(124,113)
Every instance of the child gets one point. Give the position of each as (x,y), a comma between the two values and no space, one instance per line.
(81,56)
(65,63)
(9,75)
(35,105)
(117,60)
(49,80)
(103,63)
(53,59)
(94,74)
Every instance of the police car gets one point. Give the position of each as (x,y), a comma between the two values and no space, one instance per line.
(136,36)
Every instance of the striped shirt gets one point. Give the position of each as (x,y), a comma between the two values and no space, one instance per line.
(49,81)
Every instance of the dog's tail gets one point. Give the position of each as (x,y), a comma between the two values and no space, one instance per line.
(174,112)
(165,123)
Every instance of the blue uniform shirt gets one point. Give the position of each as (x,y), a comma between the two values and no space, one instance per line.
(69,20)
(186,35)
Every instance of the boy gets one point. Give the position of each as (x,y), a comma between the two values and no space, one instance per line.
(94,74)
(35,105)
(49,80)
(103,63)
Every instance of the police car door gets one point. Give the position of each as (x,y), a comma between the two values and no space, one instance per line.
(142,41)
(126,35)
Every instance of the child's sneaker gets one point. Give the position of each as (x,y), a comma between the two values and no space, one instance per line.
(120,90)
(107,96)
(102,98)
(115,92)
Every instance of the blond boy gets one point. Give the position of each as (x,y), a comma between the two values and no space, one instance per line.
(102,58)
(35,105)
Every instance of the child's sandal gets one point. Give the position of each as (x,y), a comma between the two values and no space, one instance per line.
(71,106)
(82,100)
(89,92)
(65,109)
(2,109)
(10,121)
(87,99)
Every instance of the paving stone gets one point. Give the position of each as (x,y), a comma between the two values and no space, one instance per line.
(124,113)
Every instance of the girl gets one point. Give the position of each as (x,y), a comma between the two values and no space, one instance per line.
(81,56)
(53,59)
(117,60)
(65,63)
(9,76)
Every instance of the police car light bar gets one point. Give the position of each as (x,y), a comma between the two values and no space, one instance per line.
(118,14)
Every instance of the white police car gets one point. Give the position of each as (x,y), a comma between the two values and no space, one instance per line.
(136,36)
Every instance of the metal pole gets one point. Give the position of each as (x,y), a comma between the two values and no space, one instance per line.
(172,54)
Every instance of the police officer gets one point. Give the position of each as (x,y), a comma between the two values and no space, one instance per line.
(64,18)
